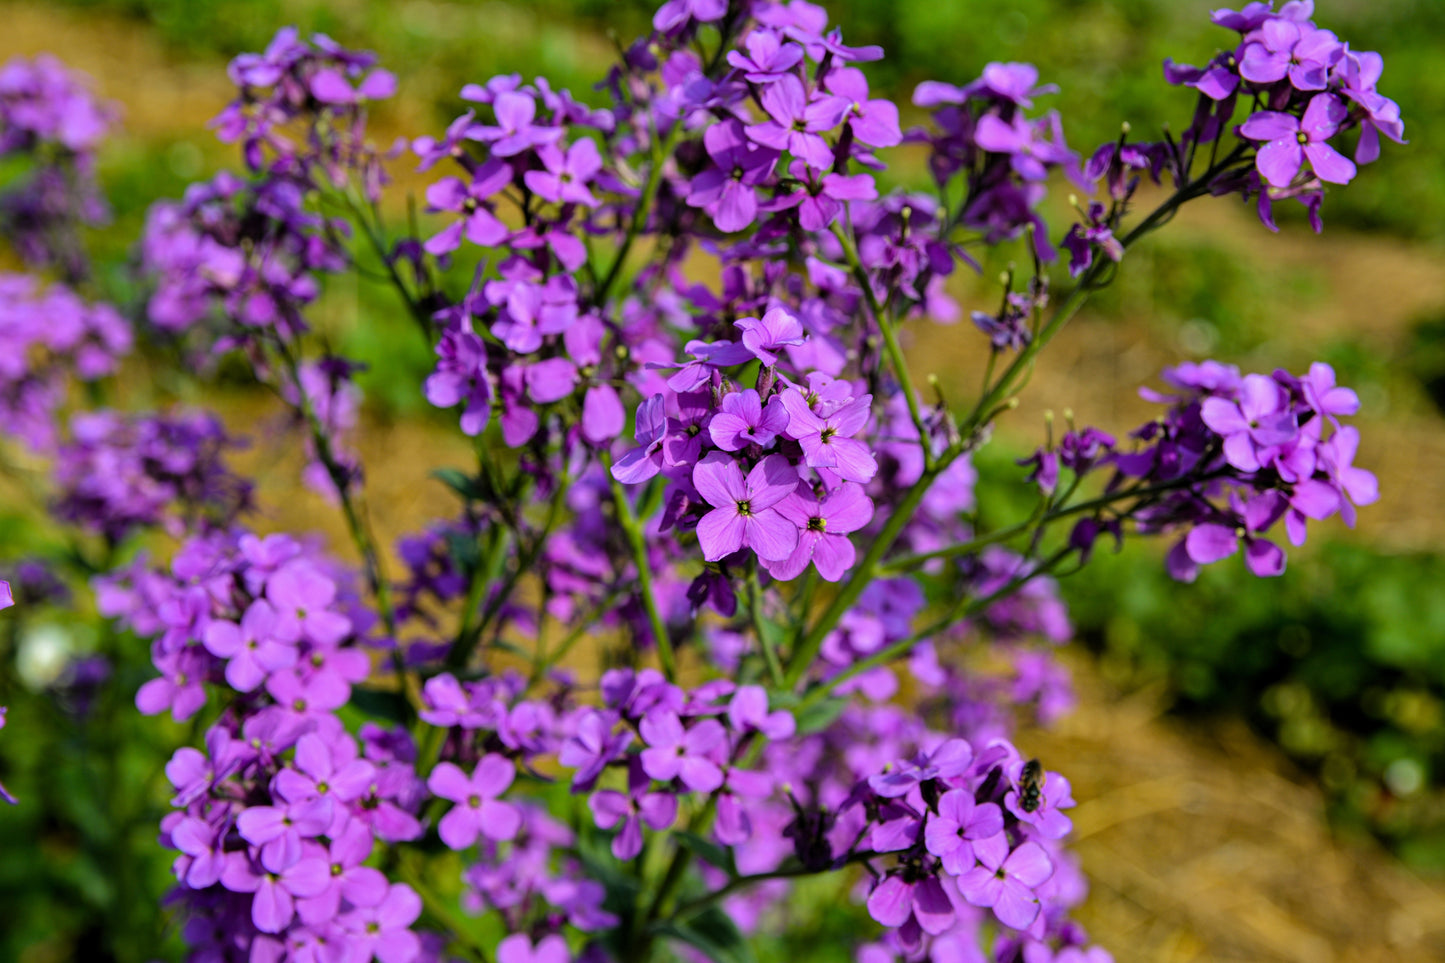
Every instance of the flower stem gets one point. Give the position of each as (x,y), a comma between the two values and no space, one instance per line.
(627,518)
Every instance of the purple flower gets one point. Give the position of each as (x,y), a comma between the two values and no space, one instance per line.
(203,855)
(824,525)
(748,712)
(565,178)
(796,122)
(874,122)
(477,811)
(676,13)
(961,824)
(347,879)
(1290,142)
(894,900)
(829,442)
(592,747)
(518,948)
(1016,83)
(728,189)
(743,420)
(514,131)
(639,464)
(685,755)
(1211,541)
(278,830)
(1260,420)
(743,515)
(273,906)
(384,931)
(951,758)
(302,596)
(251,648)
(637,806)
(1358,486)
(478,224)
(1007,886)
(1301,51)
(326,771)
(762,339)
(768,57)
(1025,144)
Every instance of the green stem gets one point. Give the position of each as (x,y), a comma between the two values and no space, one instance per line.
(909,562)
(890,340)
(959,612)
(640,213)
(743,882)
(755,605)
(627,518)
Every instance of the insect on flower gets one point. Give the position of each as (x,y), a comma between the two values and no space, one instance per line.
(1031,785)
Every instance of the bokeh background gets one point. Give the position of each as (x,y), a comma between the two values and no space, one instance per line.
(1261,763)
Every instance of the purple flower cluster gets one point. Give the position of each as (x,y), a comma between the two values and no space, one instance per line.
(1309,89)
(274,824)
(314,92)
(49,117)
(681,354)
(247,252)
(265,615)
(51,335)
(1233,456)
(119,473)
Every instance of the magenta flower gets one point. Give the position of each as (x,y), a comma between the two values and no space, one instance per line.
(639,464)
(251,648)
(1007,886)
(477,811)
(7,598)
(829,442)
(675,753)
(477,224)
(518,948)
(961,824)
(1017,83)
(874,122)
(728,189)
(777,329)
(634,808)
(748,712)
(565,178)
(743,420)
(743,515)
(1259,421)
(1291,141)
(1300,51)
(1031,145)
(384,931)
(894,900)
(514,131)
(796,123)
(347,878)
(302,596)
(768,57)
(823,525)
(273,906)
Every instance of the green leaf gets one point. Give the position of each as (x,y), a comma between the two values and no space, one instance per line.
(705,849)
(460,482)
(381,703)
(819,716)
(714,933)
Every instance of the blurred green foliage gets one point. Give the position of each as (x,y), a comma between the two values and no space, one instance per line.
(1341,661)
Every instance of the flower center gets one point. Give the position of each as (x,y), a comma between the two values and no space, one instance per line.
(1302,137)
(745,509)
(817,524)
